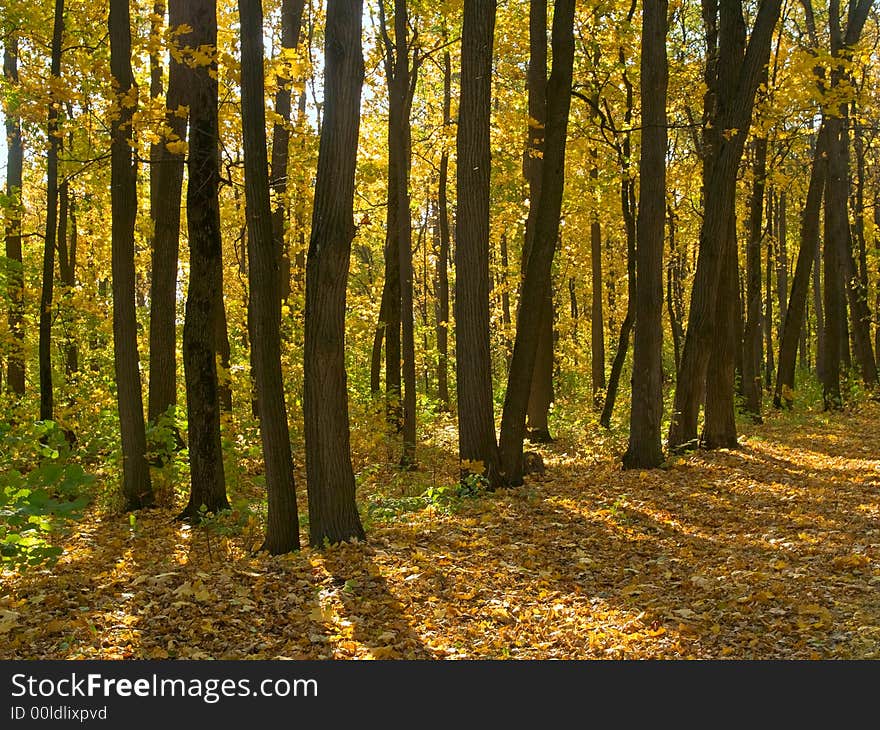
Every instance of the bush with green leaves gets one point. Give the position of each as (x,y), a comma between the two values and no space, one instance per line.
(40,488)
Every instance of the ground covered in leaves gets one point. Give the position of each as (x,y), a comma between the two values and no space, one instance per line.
(771,551)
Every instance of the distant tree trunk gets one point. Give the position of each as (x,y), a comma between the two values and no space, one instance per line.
(752,351)
(817,305)
(541,388)
(333,514)
(221,332)
(66,271)
(204,296)
(793,323)
(645,450)
(738,78)
(477,446)
(505,297)
(166,182)
(47,400)
(291,24)
(781,258)
(442,286)
(533,301)
(282,531)
(673,290)
(834,305)
(136,488)
(15,374)
(628,208)
(575,316)
(769,367)
(597,332)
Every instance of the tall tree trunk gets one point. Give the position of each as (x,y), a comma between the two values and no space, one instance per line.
(739,76)
(166,182)
(204,295)
(597,331)
(47,400)
(282,530)
(541,388)
(333,514)
(794,318)
(15,374)
(477,445)
(136,488)
(533,301)
(442,287)
(834,304)
(719,428)
(645,450)
(781,258)
(752,351)
(291,24)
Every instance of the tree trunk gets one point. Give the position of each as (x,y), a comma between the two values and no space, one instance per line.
(47,400)
(15,374)
(533,301)
(291,24)
(282,526)
(136,488)
(333,514)
(752,351)
(597,331)
(719,429)
(739,76)
(477,446)
(166,178)
(645,450)
(793,323)
(442,287)
(204,295)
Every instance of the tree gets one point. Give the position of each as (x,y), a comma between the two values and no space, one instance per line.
(282,533)
(645,450)
(15,374)
(477,445)
(47,399)
(166,186)
(333,515)
(136,487)
(537,276)
(736,94)
(291,25)
(207,480)
(541,388)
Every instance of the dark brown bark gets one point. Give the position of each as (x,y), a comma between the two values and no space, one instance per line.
(752,351)
(719,428)
(291,25)
(333,514)
(442,285)
(541,388)
(597,330)
(781,227)
(66,273)
(537,275)
(645,450)
(166,185)
(477,445)
(282,526)
(47,400)
(794,319)
(673,289)
(15,373)
(136,487)
(204,294)
(739,75)
(769,366)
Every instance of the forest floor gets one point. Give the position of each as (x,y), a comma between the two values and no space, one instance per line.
(771,551)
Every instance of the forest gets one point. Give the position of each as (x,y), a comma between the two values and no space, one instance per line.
(463,329)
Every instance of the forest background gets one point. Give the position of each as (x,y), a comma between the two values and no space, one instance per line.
(629,234)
